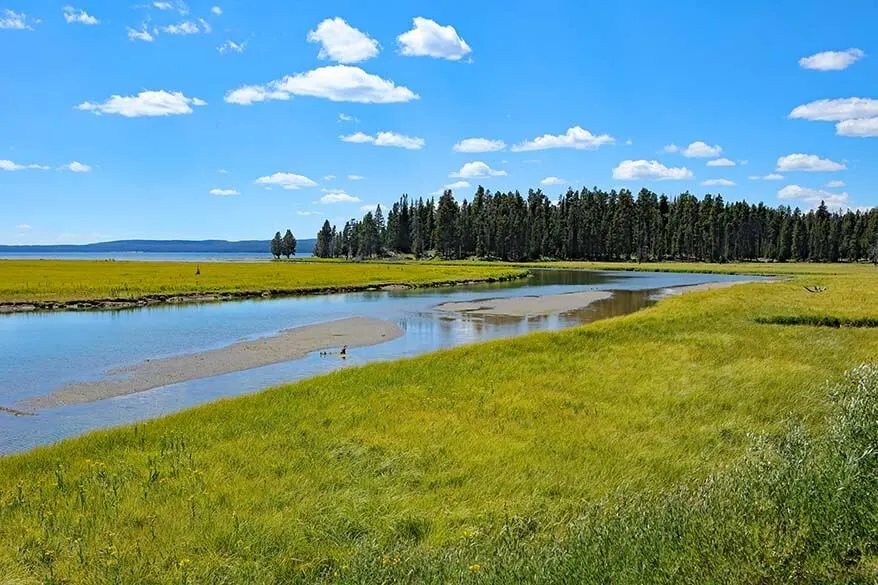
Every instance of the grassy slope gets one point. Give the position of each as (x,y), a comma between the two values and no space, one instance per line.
(417,455)
(63,280)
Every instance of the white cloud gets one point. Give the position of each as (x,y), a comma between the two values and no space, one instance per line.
(338,196)
(356,177)
(329,177)
(307,213)
(347,118)
(289,181)
(72,15)
(861,127)
(163,5)
(832,60)
(452,186)
(369,207)
(699,149)
(835,184)
(146,103)
(217,11)
(768,177)
(341,42)
(721,162)
(76,167)
(231,47)
(337,83)
(24,226)
(836,110)
(430,39)
(718,183)
(472,145)
(477,170)
(576,137)
(187,27)
(8,165)
(9,19)
(629,142)
(223,192)
(630,170)
(813,197)
(670,148)
(222,171)
(140,35)
(808,162)
(386,139)
(251,94)
(552,181)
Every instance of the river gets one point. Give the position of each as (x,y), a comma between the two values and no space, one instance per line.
(40,352)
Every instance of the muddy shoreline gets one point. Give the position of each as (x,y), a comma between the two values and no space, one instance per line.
(7,308)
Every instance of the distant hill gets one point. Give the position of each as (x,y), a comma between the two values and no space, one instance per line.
(169,246)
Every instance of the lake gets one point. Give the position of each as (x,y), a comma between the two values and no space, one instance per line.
(39,352)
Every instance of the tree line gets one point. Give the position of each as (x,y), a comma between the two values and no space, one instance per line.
(283,245)
(592,224)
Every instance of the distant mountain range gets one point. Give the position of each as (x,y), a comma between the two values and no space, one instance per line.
(164,246)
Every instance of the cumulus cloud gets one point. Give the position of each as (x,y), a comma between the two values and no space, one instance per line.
(671,148)
(430,39)
(338,196)
(386,139)
(329,177)
(76,167)
(721,162)
(187,27)
(223,192)
(74,15)
(347,118)
(472,145)
(699,149)
(861,127)
(9,19)
(832,60)
(477,170)
(8,165)
(552,181)
(813,197)
(146,103)
(289,181)
(630,170)
(356,177)
(836,110)
(217,11)
(718,183)
(337,83)
(808,162)
(140,35)
(768,177)
(231,47)
(451,186)
(341,42)
(576,137)
(835,184)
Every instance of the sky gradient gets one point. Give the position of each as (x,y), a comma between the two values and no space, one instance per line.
(234,119)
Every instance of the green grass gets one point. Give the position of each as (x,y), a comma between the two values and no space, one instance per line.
(81,280)
(496,455)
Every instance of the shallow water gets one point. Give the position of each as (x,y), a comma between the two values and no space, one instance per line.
(42,351)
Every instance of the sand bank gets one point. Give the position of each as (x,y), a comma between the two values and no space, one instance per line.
(288,345)
(523,306)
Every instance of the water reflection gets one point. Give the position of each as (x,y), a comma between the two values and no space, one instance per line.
(40,352)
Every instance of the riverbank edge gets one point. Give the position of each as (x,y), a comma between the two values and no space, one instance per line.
(120,304)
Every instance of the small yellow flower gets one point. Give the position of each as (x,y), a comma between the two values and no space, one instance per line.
(475,568)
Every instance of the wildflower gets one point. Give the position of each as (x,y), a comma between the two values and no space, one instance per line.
(475,568)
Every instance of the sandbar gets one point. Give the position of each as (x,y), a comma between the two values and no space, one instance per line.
(524,306)
(288,345)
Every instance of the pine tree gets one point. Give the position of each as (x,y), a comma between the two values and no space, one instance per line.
(277,245)
(288,244)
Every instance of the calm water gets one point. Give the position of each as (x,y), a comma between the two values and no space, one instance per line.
(40,352)
(144,256)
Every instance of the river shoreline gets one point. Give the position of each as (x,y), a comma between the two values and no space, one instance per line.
(117,304)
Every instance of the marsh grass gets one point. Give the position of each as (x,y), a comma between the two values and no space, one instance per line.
(80,280)
(685,443)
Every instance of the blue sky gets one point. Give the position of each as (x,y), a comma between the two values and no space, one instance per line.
(251,100)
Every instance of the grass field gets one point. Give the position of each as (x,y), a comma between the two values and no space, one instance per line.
(686,443)
(78,280)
